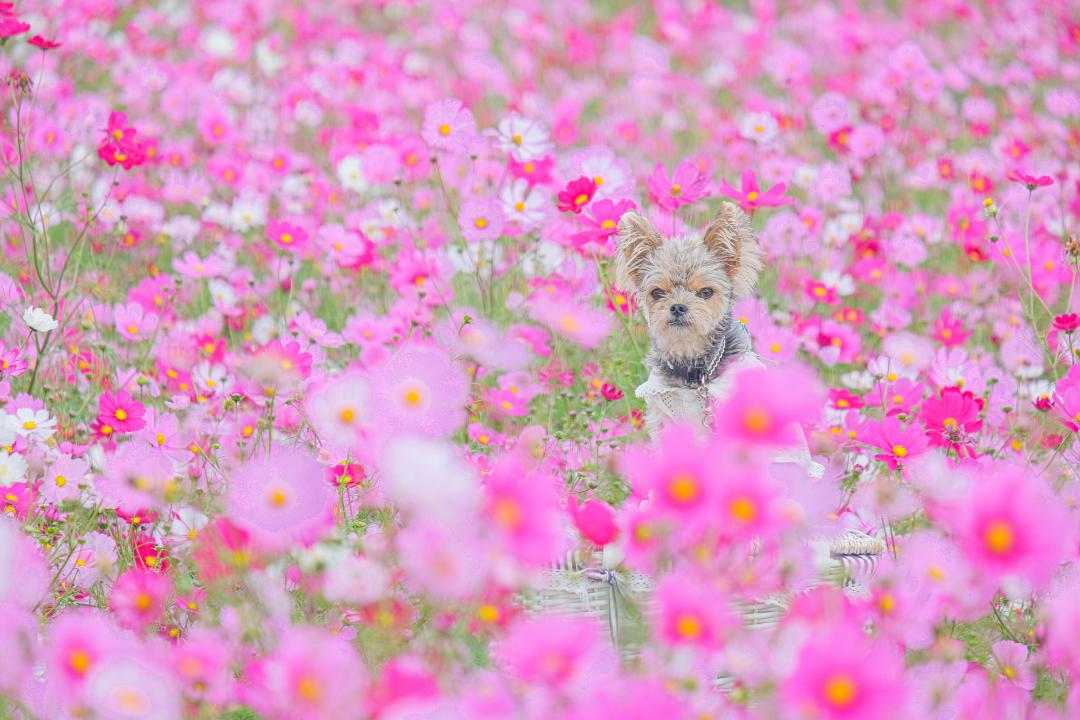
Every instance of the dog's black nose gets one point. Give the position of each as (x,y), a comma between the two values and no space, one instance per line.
(678,309)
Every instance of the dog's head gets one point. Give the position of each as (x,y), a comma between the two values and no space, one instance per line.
(686,285)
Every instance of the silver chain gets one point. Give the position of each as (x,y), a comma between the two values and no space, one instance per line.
(706,378)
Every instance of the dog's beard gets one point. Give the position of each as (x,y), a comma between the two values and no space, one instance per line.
(683,353)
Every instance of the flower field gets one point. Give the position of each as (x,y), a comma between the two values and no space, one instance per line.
(314,375)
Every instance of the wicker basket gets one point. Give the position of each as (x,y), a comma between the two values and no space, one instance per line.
(598,585)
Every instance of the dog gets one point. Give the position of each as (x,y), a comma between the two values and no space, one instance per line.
(686,288)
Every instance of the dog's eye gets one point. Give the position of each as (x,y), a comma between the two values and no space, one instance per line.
(705,293)
(657,294)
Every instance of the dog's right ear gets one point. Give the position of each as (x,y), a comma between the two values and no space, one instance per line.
(638,239)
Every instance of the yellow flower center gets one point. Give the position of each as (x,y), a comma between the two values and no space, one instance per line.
(684,488)
(444,129)
(29,425)
(581,199)
(689,626)
(676,190)
(347,415)
(899,451)
(121,414)
(508,513)
(286,238)
(519,206)
(517,138)
(887,603)
(308,689)
(752,196)
(950,423)
(60,481)
(480,222)
(1000,537)
(840,690)
(757,421)
(488,613)
(743,509)
(79,661)
(143,601)
(278,498)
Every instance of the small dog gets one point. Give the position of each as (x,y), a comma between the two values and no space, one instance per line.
(687,287)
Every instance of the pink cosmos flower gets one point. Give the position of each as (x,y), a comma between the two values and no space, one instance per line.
(552,650)
(602,221)
(286,235)
(1011,526)
(840,673)
(11,362)
(767,405)
(1067,399)
(201,664)
(576,195)
(1061,613)
(523,511)
(692,612)
(685,186)
(1011,661)
(77,643)
(133,322)
(580,324)
(138,598)
(447,563)
(120,412)
(1031,182)
(23,579)
(340,408)
(897,441)
(419,391)
(750,197)
(276,364)
(449,125)
(312,674)
(280,497)
(133,684)
(481,220)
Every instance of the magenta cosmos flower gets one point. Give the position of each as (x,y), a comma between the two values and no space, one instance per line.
(685,186)
(280,498)
(576,195)
(120,412)
(751,196)
(419,391)
(551,650)
(897,441)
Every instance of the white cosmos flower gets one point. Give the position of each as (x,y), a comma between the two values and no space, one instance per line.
(39,320)
(350,172)
(527,208)
(12,468)
(32,423)
(761,127)
(523,138)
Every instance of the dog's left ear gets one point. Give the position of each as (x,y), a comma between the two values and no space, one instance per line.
(730,238)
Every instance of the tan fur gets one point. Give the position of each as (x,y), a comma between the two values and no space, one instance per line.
(730,237)
(727,260)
